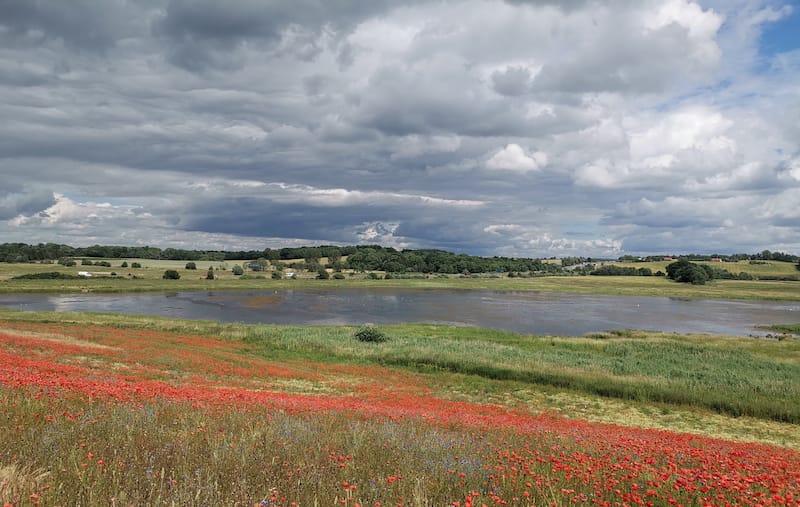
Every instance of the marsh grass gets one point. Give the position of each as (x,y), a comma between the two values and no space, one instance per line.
(735,376)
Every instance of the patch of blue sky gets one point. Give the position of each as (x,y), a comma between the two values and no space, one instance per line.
(781,36)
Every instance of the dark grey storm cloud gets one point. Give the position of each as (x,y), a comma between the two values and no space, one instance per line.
(16,200)
(487,126)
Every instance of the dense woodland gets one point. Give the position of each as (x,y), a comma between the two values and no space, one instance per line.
(359,257)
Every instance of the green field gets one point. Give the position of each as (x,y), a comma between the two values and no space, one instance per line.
(149,278)
(759,268)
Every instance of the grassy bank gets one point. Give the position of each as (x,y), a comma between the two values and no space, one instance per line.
(787,328)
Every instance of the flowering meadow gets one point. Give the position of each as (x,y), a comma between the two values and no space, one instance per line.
(100,415)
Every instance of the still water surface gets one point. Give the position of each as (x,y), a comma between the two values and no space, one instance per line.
(525,312)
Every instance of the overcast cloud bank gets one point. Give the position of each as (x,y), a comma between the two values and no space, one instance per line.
(518,128)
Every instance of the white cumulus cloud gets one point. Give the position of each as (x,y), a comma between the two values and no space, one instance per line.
(515,158)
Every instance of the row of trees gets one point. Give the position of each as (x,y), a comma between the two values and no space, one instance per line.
(440,261)
(764,255)
(359,257)
(22,252)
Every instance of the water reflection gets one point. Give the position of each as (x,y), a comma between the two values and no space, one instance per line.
(526,312)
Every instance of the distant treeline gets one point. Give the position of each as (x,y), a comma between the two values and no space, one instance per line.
(360,257)
(765,255)
(21,252)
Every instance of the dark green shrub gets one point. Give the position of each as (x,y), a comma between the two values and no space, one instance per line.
(323,274)
(191,265)
(136,265)
(237,270)
(48,275)
(124,264)
(171,274)
(338,276)
(369,333)
(276,275)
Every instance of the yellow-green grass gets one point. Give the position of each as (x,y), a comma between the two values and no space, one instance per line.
(759,268)
(149,278)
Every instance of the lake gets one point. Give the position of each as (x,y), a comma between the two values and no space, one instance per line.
(524,312)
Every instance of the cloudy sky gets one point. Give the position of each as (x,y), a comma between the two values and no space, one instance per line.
(524,128)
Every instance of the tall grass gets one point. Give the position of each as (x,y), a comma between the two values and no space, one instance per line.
(177,454)
(736,376)
(759,379)
(93,415)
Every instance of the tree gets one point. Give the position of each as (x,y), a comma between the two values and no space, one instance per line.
(210,273)
(323,274)
(171,274)
(237,270)
(688,272)
(191,265)
(124,264)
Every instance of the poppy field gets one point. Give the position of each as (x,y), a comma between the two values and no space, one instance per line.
(143,413)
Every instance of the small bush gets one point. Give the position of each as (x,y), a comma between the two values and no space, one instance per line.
(48,275)
(171,274)
(368,333)
(136,265)
(191,265)
(124,264)
(323,274)
(276,275)
(338,276)
(237,270)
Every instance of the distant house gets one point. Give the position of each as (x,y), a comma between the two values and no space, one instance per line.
(289,274)
(84,274)
(716,259)
(668,259)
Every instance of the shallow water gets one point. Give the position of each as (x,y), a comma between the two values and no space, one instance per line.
(525,312)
